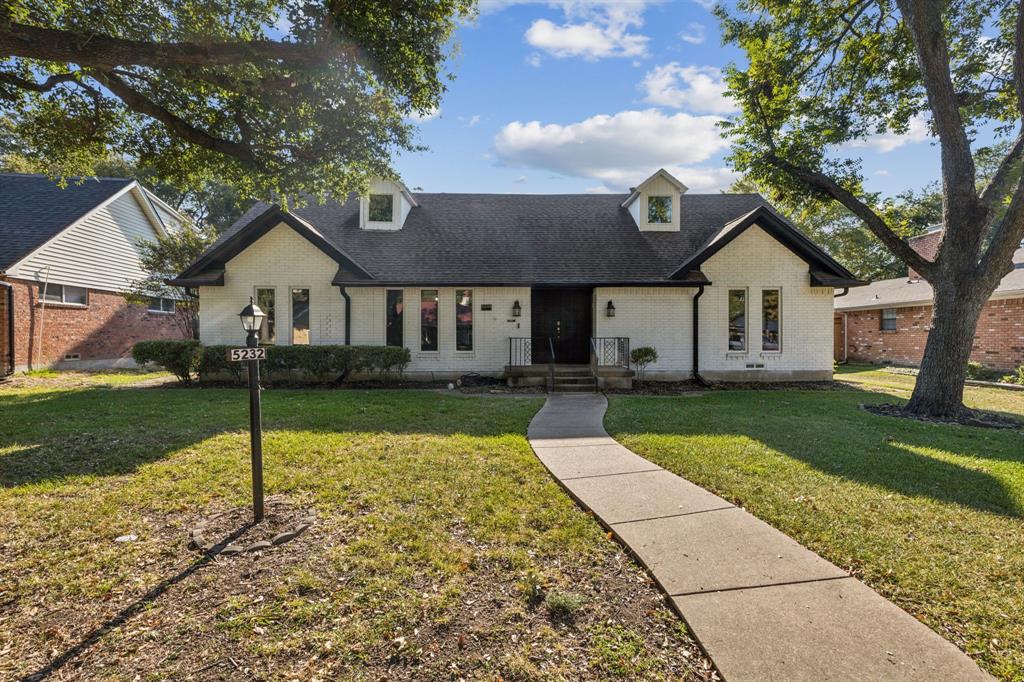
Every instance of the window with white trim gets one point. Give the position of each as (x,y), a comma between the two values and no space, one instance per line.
(266,299)
(463,319)
(428,320)
(382,208)
(300,316)
(771,319)
(659,209)
(737,320)
(61,293)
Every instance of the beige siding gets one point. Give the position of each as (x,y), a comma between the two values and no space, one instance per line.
(101,252)
(756,261)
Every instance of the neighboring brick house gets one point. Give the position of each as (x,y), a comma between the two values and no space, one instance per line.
(66,256)
(888,321)
(719,284)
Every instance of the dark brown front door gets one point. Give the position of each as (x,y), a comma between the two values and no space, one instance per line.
(565,318)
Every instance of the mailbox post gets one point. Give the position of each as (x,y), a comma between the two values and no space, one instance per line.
(252,319)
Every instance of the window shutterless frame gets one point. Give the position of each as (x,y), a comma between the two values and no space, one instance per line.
(430,303)
(464,320)
(266,299)
(888,320)
(300,305)
(771,320)
(394,318)
(736,317)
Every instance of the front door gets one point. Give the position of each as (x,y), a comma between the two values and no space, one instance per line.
(565,317)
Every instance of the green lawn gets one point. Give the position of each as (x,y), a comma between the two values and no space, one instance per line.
(436,525)
(929,515)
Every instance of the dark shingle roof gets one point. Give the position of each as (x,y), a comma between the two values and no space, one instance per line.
(33,209)
(519,238)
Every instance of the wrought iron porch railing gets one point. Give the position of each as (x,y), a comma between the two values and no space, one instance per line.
(609,351)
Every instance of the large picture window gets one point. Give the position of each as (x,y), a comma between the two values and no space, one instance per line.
(888,319)
(382,208)
(300,317)
(737,319)
(428,319)
(266,299)
(771,329)
(463,319)
(659,209)
(393,319)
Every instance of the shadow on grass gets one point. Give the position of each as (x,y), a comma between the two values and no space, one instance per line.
(132,610)
(53,435)
(828,431)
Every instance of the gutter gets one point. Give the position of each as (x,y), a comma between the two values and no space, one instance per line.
(696,336)
(10,326)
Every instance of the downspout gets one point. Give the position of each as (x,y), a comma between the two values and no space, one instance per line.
(348,315)
(696,336)
(10,324)
(846,348)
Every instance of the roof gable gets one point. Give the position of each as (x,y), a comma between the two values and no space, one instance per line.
(824,270)
(209,269)
(661,173)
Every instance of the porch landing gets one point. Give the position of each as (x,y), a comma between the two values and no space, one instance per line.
(760,604)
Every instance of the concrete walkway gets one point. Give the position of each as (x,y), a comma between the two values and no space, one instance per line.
(762,606)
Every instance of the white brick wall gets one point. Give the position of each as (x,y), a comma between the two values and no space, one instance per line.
(660,317)
(282,259)
(753,261)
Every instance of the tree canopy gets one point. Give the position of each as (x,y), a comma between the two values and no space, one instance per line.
(273,97)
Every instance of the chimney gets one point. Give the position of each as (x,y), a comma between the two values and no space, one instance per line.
(927,245)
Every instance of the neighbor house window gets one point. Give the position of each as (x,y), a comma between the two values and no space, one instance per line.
(382,208)
(60,293)
(888,319)
(463,319)
(393,316)
(300,317)
(158,304)
(659,209)
(428,319)
(771,331)
(737,319)
(266,299)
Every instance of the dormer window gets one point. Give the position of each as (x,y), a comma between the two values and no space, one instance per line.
(659,209)
(382,208)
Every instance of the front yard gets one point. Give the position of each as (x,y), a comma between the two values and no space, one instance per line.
(438,536)
(929,515)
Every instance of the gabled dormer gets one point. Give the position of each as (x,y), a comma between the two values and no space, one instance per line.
(655,203)
(386,206)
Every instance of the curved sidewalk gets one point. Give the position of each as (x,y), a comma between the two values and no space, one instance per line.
(761,605)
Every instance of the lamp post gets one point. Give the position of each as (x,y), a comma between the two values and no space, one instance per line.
(252,319)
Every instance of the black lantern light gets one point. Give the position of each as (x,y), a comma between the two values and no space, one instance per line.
(610,310)
(252,320)
(517,310)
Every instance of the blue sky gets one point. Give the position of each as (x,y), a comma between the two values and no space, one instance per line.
(593,96)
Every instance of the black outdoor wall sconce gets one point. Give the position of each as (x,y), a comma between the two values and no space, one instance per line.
(517,310)
(610,310)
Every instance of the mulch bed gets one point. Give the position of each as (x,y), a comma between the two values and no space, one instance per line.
(968,417)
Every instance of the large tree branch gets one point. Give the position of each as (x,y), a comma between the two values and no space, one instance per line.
(923,18)
(999,185)
(139,103)
(823,183)
(106,52)
(49,84)
(1006,238)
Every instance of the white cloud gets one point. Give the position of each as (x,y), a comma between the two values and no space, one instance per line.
(694,88)
(521,180)
(881,172)
(621,149)
(694,33)
(886,142)
(593,29)
(426,116)
(706,4)
(534,59)
(471,120)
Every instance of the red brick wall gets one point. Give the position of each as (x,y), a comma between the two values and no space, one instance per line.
(105,329)
(998,342)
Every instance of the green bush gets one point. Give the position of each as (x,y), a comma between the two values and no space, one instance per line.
(312,363)
(179,357)
(1016,378)
(641,357)
(979,372)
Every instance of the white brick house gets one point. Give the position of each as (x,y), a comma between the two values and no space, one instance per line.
(720,285)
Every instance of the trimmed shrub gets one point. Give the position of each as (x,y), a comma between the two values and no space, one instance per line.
(979,372)
(179,357)
(313,363)
(1016,378)
(643,356)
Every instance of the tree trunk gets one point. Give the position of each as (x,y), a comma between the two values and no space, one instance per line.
(939,391)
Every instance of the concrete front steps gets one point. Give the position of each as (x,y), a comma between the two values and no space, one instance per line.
(570,378)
